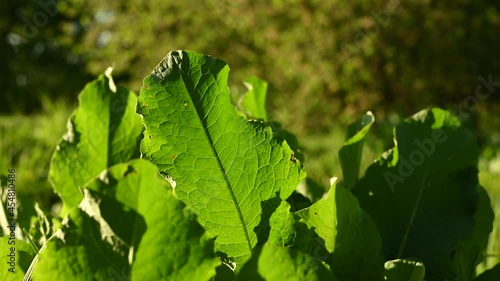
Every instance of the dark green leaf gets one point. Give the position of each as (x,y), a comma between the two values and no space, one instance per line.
(422,193)
(469,252)
(351,151)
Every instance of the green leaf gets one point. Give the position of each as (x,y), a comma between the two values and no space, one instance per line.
(350,236)
(253,102)
(275,263)
(290,138)
(83,249)
(490,275)
(42,227)
(253,106)
(15,258)
(156,221)
(468,254)
(231,172)
(288,231)
(103,131)
(351,151)
(422,193)
(311,189)
(127,220)
(282,223)
(404,270)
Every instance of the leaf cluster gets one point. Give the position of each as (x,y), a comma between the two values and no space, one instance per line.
(179,184)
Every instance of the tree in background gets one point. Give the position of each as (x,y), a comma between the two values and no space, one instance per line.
(36,62)
(321,58)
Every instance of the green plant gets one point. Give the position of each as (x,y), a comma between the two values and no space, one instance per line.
(214,197)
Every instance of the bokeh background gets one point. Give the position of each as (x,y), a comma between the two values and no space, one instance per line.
(327,63)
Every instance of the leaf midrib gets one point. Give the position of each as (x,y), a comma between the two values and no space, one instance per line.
(219,163)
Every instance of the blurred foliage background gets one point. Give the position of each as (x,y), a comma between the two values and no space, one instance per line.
(327,62)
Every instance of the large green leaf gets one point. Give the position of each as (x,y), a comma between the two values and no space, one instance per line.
(131,226)
(231,172)
(351,151)
(15,258)
(404,270)
(422,193)
(103,131)
(349,234)
(253,102)
(275,263)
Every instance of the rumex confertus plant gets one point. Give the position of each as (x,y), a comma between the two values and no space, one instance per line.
(179,184)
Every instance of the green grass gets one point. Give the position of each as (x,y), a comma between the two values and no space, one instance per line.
(26,144)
